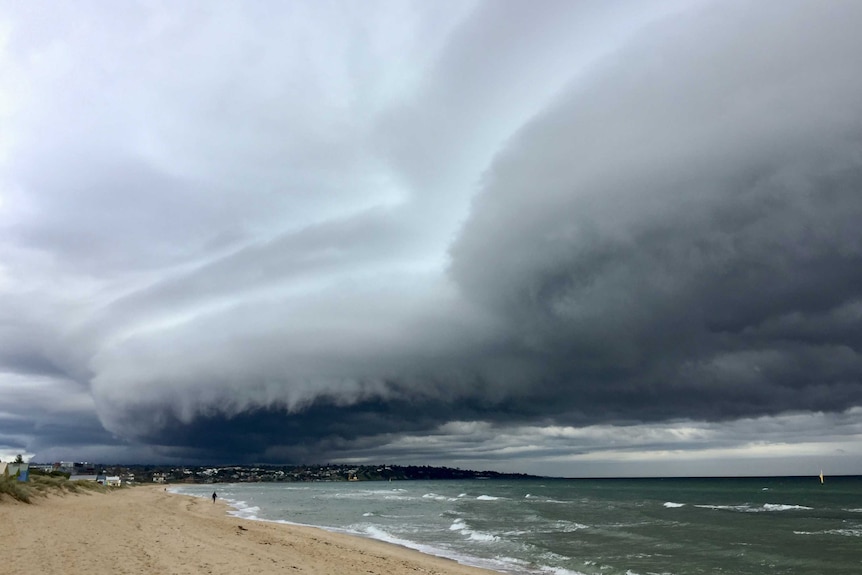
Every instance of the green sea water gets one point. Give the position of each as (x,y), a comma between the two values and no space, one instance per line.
(762,526)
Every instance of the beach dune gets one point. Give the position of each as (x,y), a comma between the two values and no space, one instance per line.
(147,530)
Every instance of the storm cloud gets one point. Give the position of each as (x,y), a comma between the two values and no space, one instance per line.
(487,233)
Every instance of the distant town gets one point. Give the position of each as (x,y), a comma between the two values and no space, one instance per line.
(147,474)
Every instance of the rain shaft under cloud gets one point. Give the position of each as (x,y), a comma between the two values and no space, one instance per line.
(345,232)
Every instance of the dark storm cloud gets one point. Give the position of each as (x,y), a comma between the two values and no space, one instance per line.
(661,236)
(500,231)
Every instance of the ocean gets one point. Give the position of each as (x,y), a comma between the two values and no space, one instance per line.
(792,526)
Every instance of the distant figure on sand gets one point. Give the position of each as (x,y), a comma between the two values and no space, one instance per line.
(214,496)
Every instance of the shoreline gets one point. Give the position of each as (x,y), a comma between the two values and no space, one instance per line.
(232,510)
(146,529)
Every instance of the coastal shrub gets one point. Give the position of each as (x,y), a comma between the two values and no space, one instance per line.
(91,486)
(53,473)
(15,489)
(44,485)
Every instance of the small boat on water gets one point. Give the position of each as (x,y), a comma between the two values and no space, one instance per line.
(821,477)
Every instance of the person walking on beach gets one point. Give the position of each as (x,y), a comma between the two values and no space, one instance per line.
(214,496)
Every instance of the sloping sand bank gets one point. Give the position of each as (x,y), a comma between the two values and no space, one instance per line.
(145,530)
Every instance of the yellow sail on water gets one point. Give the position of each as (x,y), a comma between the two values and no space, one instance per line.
(821,477)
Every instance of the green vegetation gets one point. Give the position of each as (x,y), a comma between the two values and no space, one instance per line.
(34,471)
(44,485)
(13,488)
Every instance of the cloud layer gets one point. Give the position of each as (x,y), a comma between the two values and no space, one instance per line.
(285,233)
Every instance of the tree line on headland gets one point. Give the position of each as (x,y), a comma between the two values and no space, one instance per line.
(138,474)
(329,472)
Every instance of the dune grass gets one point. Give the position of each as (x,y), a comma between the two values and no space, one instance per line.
(44,485)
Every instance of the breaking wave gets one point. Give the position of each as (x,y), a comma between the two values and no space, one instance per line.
(766,507)
(460,526)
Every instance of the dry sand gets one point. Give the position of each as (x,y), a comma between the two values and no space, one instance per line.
(144,530)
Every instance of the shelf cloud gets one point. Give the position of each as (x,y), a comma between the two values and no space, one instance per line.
(472,233)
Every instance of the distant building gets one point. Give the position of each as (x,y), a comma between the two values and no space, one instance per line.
(84,468)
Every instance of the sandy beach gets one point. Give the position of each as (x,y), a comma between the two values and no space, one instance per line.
(147,530)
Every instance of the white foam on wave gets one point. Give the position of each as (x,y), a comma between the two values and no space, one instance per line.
(460,526)
(549,563)
(480,536)
(857,510)
(243,510)
(857,532)
(767,507)
(379,534)
(437,497)
(502,564)
(672,505)
(725,507)
(487,498)
(566,526)
(783,507)
(559,571)
(382,535)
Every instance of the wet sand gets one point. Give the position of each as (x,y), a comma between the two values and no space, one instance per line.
(144,530)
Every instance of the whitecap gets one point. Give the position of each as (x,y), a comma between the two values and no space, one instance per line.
(559,571)
(768,507)
(570,526)
(783,507)
(436,497)
(460,526)
(481,536)
(243,510)
(857,532)
(671,504)
(487,498)
(742,508)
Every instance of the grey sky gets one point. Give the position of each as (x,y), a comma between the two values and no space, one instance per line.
(576,238)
